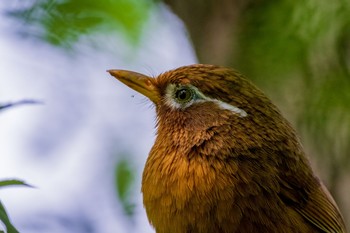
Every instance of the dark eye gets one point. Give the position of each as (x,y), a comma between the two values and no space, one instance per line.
(184,95)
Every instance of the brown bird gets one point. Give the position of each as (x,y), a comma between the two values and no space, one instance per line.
(225,160)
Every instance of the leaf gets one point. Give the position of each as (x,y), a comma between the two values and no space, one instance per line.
(62,23)
(12,182)
(17,103)
(124,177)
(6,220)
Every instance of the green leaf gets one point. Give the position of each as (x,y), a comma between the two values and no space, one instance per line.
(6,220)
(12,182)
(124,177)
(62,23)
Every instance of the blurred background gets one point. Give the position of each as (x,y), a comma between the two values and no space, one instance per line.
(82,138)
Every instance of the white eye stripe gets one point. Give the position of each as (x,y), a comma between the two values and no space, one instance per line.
(169,100)
(229,107)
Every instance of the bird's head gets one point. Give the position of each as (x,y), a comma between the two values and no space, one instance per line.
(201,103)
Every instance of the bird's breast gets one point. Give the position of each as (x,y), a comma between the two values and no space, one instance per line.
(179,192)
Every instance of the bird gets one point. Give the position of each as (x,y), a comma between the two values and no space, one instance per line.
(225,160)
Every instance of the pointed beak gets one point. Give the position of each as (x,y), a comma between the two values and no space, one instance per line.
(139,82)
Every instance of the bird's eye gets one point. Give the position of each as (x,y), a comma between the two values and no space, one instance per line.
(184,95)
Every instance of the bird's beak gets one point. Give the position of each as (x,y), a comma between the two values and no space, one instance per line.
(139,82)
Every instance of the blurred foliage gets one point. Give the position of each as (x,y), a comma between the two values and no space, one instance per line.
(288,36)
(304,46)
(124,177)
(4,218)
(62,23)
